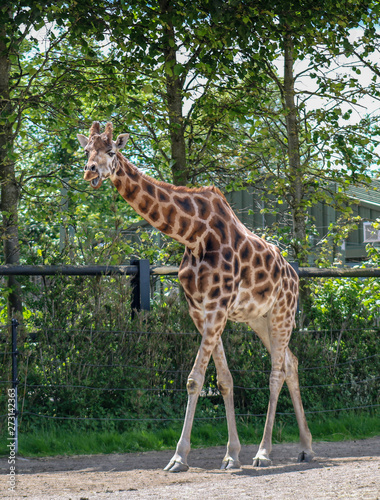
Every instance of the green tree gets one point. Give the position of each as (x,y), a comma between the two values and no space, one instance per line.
(197,84)
(35,87)
(317,147)
(166,56)
(16,22)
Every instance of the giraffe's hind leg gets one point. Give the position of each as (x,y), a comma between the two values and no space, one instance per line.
(284,368)
(292,381)
(276,380)
(262,328)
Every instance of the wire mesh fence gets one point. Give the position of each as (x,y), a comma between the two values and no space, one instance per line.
(83,361)
(123,378)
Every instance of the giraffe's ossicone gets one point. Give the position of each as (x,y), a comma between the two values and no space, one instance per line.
(227,272)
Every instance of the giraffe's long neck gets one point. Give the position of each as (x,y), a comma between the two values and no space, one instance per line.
(181,213)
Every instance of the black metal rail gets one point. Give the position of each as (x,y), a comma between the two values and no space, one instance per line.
(141,271)
(92,270)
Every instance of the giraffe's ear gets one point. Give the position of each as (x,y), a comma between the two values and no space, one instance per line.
(121,141)
(83,140)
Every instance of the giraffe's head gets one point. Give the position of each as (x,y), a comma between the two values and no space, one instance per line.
(101,153)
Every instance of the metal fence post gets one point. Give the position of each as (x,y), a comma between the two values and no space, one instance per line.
(296,267)
(141,286)
(15,381)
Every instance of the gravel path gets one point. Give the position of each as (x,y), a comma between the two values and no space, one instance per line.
(344,470)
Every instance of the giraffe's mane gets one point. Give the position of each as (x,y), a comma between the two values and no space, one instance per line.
(185,189)
(179,189)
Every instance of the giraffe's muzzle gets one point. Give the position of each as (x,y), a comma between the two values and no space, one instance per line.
(94,178)
(95,183)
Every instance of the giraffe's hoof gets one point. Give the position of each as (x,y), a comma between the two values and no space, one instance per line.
(175,466)
(230,463)
(262,462)
(305,456)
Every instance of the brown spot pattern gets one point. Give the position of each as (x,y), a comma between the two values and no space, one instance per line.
(169,214)
(220,228)
(185,204)
(184,224)
(203,206)
(154,214)
(162,196)
(131,193)
(145,203)
(197,231)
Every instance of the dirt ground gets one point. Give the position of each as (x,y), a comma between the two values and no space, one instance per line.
(345,470)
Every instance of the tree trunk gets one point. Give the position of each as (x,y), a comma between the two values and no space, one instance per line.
(292,126)
(174,99)
(296,177)
(9,188)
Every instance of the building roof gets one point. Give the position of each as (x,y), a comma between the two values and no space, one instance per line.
(367,194)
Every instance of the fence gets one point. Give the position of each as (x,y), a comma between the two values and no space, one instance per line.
(142,271)
(56,383)
(83,376)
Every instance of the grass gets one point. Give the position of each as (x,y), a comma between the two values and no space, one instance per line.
(63,440)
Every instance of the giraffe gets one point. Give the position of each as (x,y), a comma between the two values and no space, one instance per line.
(227,272)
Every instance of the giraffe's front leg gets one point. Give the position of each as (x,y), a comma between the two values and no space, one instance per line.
(195,381)
(178,463)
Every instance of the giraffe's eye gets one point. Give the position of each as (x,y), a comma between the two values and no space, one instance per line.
(111,153)
(86,153)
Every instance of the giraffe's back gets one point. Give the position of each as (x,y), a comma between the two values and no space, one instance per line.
(264,279)
(238,272)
